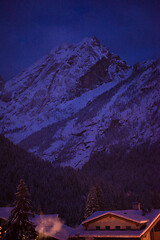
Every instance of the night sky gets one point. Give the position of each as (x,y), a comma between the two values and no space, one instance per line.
(29,29)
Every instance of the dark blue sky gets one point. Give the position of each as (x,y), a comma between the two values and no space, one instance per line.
(29,29)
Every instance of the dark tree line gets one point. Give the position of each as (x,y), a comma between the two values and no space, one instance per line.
(124,176)
(53,190)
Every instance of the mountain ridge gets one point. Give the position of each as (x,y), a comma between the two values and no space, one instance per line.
(78,99)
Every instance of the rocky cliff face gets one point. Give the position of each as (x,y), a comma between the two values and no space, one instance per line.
(80,99)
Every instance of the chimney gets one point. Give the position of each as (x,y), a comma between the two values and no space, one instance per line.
(136,206)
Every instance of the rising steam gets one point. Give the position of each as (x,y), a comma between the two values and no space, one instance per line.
(49,225)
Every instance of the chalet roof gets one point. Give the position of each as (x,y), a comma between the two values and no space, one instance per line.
(5,212)
(51,225)
(151,218)
(132,215)
(48,225)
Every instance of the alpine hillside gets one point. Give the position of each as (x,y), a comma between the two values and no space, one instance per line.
(81,99)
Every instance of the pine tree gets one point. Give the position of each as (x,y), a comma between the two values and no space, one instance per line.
(95,201)
(19,226)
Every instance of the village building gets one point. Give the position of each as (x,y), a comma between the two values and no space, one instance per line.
(135,224)
(132,224)
(4,215)
(48,227)
(51,227)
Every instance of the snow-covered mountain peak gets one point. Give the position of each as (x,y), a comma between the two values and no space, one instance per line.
(90,41)
(78,99)
(34,98)
(85,48)
(63,72)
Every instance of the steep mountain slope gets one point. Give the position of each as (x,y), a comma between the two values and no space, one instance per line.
(35,95)
(127,113)
(81,99)
(2,83)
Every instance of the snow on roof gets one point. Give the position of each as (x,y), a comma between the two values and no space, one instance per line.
(149,219)
(51,225)
(5,212)
(132,215)
(48,225)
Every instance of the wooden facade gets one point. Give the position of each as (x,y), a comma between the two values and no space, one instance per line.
(120,225)
(113,221)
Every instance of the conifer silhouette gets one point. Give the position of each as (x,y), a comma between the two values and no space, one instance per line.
(19,226)
(95,201)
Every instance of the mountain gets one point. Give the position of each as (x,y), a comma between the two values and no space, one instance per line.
(2,83)
(81,99)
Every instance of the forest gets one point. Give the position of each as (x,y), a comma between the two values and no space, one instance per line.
(124,174)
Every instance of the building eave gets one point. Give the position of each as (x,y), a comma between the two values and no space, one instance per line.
(150,225)
(111,234)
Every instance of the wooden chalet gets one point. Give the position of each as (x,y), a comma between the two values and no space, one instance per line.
(132,224)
